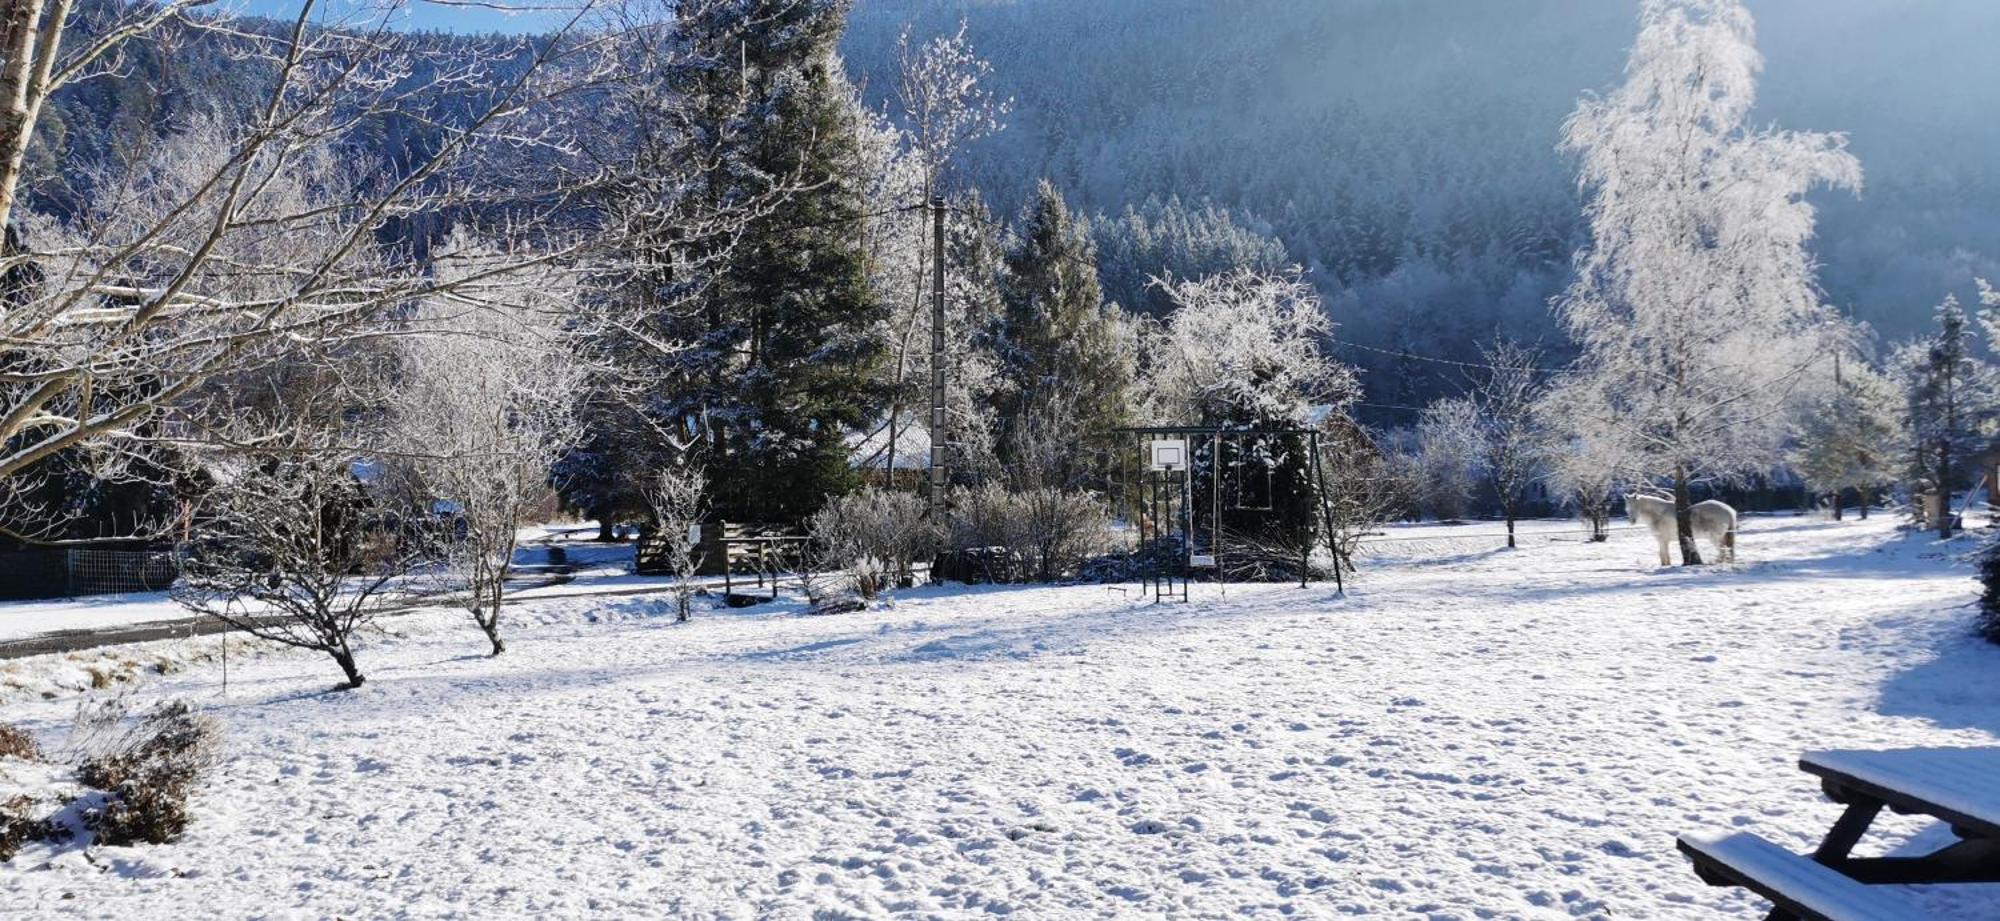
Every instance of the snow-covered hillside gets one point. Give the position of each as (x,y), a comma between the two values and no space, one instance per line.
(1492,734)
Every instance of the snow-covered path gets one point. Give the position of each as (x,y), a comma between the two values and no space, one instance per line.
(1498,735)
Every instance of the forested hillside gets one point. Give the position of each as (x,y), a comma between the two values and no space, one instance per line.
(1405,150)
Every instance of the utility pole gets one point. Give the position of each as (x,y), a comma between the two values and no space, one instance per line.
(939,442)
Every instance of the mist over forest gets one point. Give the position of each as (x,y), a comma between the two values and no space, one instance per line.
(1404,151)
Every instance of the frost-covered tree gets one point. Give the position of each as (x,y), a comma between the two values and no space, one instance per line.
(1848,435)
(1587,452)
(1506,396)
(679,501)
(767,340)
(484,408)
(943,107)
(1695,301)
(289,544)
(253,230)
(1244,348)
(1451,445)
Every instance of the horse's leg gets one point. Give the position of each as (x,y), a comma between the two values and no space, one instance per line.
(1666,558)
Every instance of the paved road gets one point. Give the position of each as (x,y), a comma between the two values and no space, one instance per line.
(183,627)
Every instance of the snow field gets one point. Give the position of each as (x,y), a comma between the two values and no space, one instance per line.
(1491,735)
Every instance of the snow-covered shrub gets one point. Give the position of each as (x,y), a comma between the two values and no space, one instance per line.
(878,530)
(1040,534)
(979,535)
(1059,530)
(147,769)
(19,824)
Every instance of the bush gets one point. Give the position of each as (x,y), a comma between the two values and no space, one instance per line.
(147,770)
(1040,534)
(17,744)
(876,535)
(18,825)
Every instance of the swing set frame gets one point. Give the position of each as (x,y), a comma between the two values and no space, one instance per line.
(1161,489)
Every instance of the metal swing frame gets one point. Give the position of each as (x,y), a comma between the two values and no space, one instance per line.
(1159,489)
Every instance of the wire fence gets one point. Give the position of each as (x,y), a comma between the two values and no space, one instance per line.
(76,571)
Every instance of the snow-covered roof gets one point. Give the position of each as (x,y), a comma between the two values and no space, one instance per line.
(913,445)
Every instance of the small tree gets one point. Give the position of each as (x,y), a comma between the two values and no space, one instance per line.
(1587,453)
(1363,490)
(1847,436)
(485,408)
(678,497)
(1451,442)
(1506,400)
(287,549)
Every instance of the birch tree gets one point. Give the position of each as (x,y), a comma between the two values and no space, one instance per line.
(1695,300)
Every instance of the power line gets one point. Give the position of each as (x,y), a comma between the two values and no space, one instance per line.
(1398,353)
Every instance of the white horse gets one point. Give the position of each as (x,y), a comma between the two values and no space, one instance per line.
(1714,522)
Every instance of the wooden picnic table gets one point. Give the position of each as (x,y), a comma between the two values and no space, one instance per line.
(1959,786)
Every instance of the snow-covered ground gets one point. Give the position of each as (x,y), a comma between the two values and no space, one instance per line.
(1481,734)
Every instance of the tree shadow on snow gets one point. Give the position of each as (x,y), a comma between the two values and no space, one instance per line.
(1954,687)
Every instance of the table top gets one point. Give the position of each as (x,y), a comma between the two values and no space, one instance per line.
(1959,785)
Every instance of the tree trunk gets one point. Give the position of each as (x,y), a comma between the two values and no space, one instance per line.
(489,621)
(1684,518)
(345,658)
(604,528)
(33,36)
(1836,505)
(1867,499)
(1944,490)
(1510,528)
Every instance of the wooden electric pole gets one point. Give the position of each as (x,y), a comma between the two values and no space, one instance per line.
(939,442)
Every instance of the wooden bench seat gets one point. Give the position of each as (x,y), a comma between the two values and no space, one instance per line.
(1795,884)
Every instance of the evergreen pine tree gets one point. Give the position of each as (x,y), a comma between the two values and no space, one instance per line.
(1063,352)
(1949,393)
(784,367)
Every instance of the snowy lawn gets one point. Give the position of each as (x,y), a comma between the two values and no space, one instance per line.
(1493,735)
